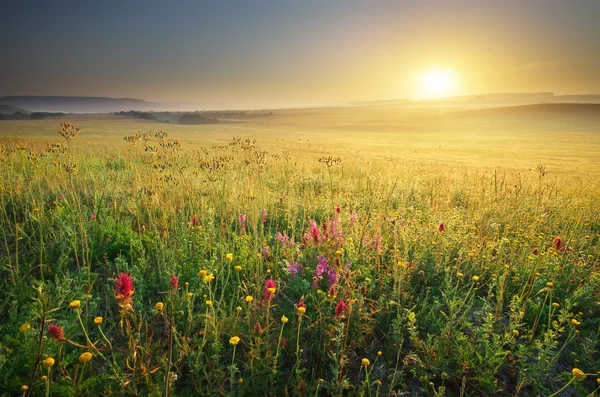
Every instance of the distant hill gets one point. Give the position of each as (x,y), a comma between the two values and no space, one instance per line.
(543,110)
(9,109)
(76,104)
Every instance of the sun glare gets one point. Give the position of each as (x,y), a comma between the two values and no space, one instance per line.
(436,84)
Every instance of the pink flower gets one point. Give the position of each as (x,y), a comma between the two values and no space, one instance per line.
(270,288)
(557,243)
(442,227)
(93,216)
(124,291)
(174,282)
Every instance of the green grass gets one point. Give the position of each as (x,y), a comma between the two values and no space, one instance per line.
(494,304)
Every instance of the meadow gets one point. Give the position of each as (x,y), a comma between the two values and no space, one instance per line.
(367,251)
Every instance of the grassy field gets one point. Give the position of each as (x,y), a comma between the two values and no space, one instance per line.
(352,251)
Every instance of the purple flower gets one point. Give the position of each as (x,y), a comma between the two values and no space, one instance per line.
(377,245)
(295,269)
(323,268)
(265,251)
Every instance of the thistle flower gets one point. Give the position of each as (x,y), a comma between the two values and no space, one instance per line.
(174,282)
(339,308)
(48,362)
(56,332)
(85,358)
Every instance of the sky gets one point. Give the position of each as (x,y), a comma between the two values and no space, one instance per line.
(285,53)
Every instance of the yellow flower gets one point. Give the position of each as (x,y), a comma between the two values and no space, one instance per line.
(229,257)
(238,309)
(284,319)
(202,273)
(238,268)
(44,378)
(379,353)
(575,322)
(368,280)
(271,290)
(338,252)
(98,320)
(189,294)
(319,292)
(24,328)
(48,362)
(515,332)
(459,275)
(75,304)
(365,362)
(475,278)
(24,388)
(159,306)
(208,278)
(249,299)
(234,340)
(209,303)
(301,310)
(549,284)
(85,358)
(241,380)
(555,305)
(578,373)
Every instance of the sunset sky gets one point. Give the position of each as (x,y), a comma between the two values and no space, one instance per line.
(284,53)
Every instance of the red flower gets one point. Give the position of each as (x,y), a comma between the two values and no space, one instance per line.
(56,332)
(270,288)
(174,282)
(124,291)
(557,243)
(339,308)
(441,227)
(301,304)
(535,251)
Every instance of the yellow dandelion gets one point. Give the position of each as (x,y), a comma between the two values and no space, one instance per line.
(208,303)
(229,257)
(238,309)
(234,340)
(48,362)
(75,304)
(202,273)
(159,306)
(579,374)
(475,278)
(367,280)
(238,268)
(365,362)
(249,299)
(338,252)
(85,358)
(98,320)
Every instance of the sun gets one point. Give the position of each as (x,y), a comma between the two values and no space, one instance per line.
(436,84)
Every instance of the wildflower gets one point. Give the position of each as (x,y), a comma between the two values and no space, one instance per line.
(270,289)
(238,309)
(194,220)
(234,340)
(515,332)
(557,243)
(442,227)
(459,275)
(257,328)
(189,294)
(319,292)
(575,322)
(48,362)
(98,320)
(124,291)
(323,268)
(93,216)
(367,280)
(379,353)
(208,303)
(579,374)
(229,257)
(159,306)
(238,268)
(208,278)
(85,358)
(339,308)
(475,278)
(294,269)
(535,251)
(555,305)
(174,282)
(301,307)
(338,252)
(56,332)
(24,388)
(249,299)
(24,328)
(202,273)
(241,380)
(365,362)
(44,378)
(75,304)
(264,216)
(377,244)
(549,284)
(284,319)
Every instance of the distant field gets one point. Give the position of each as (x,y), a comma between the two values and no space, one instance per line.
(563,137)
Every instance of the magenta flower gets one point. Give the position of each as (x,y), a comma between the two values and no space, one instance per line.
(174,282)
